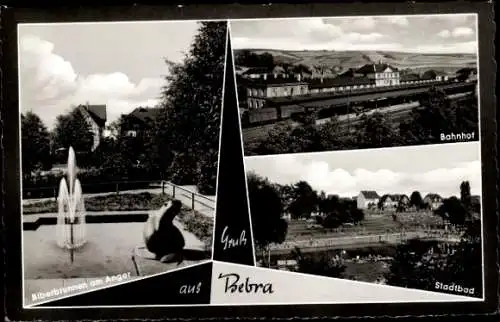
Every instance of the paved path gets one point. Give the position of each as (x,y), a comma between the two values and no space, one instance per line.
(202,204)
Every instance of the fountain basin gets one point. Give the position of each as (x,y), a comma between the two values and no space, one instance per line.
(111,241)
(33,222)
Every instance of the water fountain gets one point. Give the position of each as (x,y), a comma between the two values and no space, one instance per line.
(70,229)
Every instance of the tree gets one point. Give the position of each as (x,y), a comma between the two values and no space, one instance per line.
(73,130)
(416,200)
(357,215)
(35,144)
(186,134)
(321,264)
(407,269)
(305,200)
(420,264)
(332,219)
(376,130)
(247,58)
(453,210)
(433,117)
(266,209)
(465,195)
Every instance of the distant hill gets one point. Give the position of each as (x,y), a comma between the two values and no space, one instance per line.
(339,61)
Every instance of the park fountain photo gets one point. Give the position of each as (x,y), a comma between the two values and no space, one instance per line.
(70,228)
(86,213)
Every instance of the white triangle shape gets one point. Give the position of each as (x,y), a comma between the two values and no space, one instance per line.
(297,288)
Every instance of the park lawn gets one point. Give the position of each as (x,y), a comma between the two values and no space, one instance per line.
(112,202)
(193,221)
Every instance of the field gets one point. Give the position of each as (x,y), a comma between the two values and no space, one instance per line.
(375,257)
(343,60)
(375,223)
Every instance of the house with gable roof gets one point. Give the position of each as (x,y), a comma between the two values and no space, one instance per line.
(95,116)
(139,120)
(383,74)
(367,199)
(433,200)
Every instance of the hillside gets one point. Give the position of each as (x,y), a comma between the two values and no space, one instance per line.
(343,60)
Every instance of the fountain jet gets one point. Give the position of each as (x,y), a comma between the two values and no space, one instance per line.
(71,213)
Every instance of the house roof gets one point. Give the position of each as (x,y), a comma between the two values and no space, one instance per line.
(278,69)
(374,68)
(340,81)
(256,70)
(370,194)
(351,72)
(96,112)
(432,196)
(272,81)
(146,114)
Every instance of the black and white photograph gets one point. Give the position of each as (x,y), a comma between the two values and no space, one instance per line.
(120,126)
(341,83)
(407,217)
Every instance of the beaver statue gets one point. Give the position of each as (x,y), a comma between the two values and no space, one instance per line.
(161,236)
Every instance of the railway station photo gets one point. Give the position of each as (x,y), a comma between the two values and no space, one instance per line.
(351,83)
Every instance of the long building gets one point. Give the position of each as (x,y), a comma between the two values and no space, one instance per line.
(262,89)
(325,105)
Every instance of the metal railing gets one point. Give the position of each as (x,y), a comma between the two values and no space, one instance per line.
(194,199)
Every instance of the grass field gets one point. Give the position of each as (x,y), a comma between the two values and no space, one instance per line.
(374,223)
(194,222)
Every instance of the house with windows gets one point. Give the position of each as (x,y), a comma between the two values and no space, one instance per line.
(382,74)
(139,120)
(435,75)
(394,201)
(255,73)
(367,199)
(433,201)
(95,116)
(270,87)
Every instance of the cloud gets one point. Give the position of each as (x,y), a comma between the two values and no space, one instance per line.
(311,33)
(462,32)
(384,33)
(399,21)
(50,85)
(364,23)
(288,169)
(445,33)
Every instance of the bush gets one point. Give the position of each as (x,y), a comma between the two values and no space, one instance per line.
(93,181)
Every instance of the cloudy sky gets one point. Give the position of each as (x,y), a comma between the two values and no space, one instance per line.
(455,33)
(432,168)
(118,64)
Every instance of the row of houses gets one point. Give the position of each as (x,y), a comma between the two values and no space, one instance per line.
(133,124)
(260,87)
(372,200)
